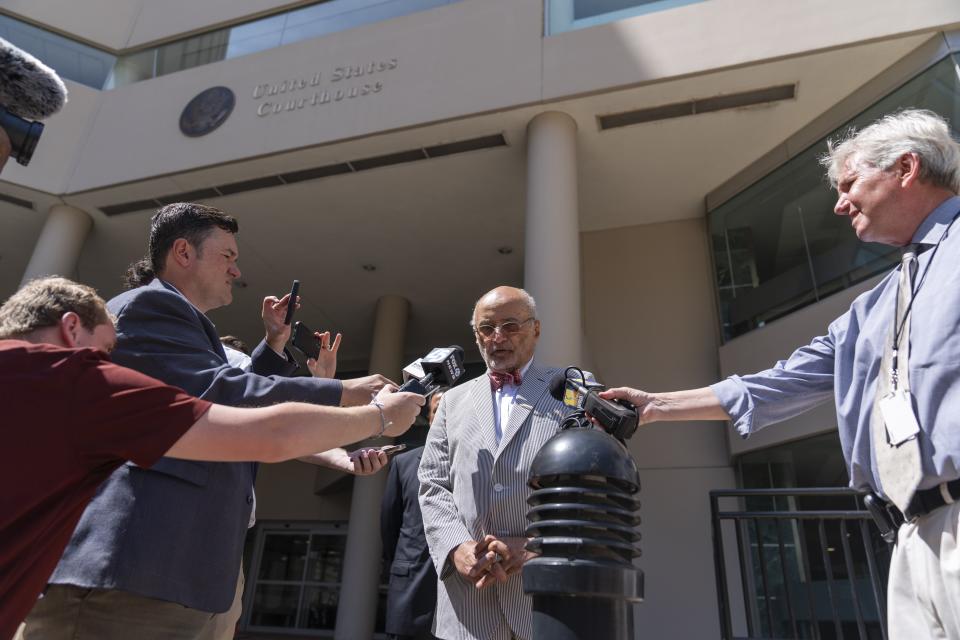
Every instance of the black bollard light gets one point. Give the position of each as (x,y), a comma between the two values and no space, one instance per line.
(584,510)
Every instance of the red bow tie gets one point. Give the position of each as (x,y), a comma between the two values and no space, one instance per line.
(498,379)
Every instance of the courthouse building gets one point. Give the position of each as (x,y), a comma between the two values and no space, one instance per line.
(647,169)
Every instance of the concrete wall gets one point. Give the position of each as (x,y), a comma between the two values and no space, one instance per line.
(715,34)
(121,24)
(428,66)
(285,491)
(174,18)
(103,23)
(449,62)
(650,322)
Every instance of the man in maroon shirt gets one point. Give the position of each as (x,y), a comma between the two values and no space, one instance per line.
(71,418)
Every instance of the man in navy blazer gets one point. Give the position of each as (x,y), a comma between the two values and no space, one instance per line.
(158,551)
(412,590)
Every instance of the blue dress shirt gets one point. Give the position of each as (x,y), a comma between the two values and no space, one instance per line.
(845,364)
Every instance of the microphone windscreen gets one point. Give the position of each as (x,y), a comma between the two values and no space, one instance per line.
(558,386)
(28,88)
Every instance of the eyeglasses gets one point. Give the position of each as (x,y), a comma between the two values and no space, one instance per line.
(508,328)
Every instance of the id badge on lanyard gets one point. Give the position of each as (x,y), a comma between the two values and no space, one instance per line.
(897,411)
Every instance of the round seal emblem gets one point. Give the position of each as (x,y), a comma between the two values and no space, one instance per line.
(207,111)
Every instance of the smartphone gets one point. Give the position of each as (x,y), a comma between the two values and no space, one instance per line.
(292,305)
(305,341)
(391,449)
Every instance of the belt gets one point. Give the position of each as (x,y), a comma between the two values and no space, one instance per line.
(923,502)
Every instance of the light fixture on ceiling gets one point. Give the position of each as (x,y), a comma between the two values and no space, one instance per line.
(504,251)
(369,267)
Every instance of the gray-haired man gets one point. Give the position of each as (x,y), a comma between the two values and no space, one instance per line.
(890,362)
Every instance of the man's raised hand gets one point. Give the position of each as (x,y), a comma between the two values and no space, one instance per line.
(325,366)
(273,312)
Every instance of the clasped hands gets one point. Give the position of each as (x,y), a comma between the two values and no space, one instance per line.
(490,560)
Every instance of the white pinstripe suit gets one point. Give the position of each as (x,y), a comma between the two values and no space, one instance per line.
(470,487)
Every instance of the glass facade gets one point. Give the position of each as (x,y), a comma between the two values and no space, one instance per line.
(259,35)
(567,15)
(811,462)
(808,578)
(294,581)
(72,60)
(101,70)
(777,245)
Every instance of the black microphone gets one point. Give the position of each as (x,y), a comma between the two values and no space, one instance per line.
(442,367)
(618,418)
(558,386)
(569,389)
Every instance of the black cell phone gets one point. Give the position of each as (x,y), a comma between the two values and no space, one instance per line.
(305,341)
(292,305)
(392,449)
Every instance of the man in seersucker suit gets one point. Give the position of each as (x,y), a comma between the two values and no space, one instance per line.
(473,475)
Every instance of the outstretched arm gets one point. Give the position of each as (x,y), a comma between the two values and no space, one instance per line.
(287,431)
(692,404)
(789,388)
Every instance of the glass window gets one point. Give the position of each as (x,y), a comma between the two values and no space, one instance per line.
(259,35)
(72,60)
(777,245)
(801,571)
(296,577)
(101,70)
(567,15)
(811,462)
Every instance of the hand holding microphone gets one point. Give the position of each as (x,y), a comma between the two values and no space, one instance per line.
(398,409)
(442,367)
(644,402)
(617,416)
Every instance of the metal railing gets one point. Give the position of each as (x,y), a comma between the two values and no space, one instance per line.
(811,564)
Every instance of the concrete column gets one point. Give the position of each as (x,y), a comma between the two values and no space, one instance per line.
(551,269)
(357,611)
(58,248)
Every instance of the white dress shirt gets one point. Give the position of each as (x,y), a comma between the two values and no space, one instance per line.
(503,402)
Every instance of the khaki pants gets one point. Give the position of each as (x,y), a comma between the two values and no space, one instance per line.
(223,626)
(73,613)
(923,595)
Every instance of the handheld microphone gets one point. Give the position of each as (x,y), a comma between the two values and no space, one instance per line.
(618,418)
(570,390)
(29,90)
(442,367)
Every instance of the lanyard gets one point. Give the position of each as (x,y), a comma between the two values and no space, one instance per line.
(898,330)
